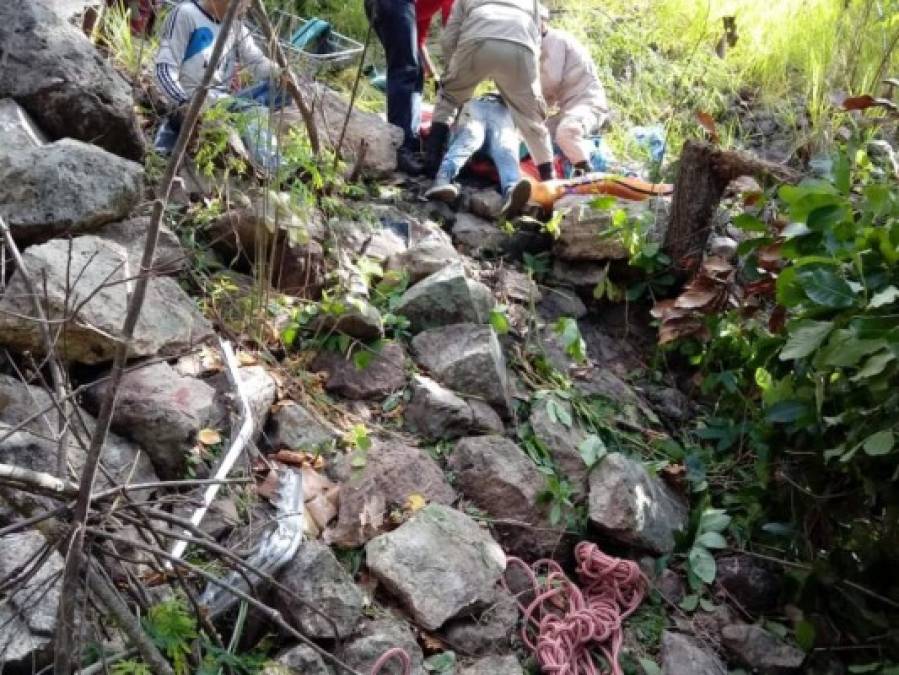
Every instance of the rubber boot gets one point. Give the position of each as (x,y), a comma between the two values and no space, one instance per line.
(435,147)
(516,198)
(409,162)
(546,171)
(582,169)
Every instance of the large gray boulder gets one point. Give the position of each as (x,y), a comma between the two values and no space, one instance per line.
(299,660)
(391,474)
(760,650)
(160,410)
(490,631)
(478,237)
(53,71)
(384,374)
(66,187)
(31,409)
(467,358)
(682,654)
(375,638)
(425,258)
(170,257)
(437,413)
(27,609)
(293,427)
(369,142)
(753,583)
(317,577)
(501,480)
(440,564)
(359,319)
(588,234)
(18,131)
(170,322)
(562,441)
(446,297)
(634,508)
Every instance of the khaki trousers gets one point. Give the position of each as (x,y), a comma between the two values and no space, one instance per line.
(570,129)
(515,70)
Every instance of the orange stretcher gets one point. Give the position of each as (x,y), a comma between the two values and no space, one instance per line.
(547,193)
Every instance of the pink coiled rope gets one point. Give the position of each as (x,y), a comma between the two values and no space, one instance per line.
(569,621)
(390,655)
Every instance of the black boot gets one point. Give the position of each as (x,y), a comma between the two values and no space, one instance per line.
(582,168)
(409,162)
(546,171)
(435,147)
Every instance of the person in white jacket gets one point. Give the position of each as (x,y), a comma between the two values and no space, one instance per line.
(571,87)
(186,41)
(495,40)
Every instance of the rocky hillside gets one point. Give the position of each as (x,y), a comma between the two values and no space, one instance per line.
(450,393)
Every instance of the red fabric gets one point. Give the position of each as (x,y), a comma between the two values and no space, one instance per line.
(425,11)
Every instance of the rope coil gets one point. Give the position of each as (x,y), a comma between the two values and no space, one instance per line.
(563,621)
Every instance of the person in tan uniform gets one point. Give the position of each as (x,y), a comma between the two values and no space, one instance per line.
(495,40)
(569,84)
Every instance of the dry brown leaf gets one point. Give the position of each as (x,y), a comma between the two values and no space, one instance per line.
(209,436)
(696,299)
(769,257)
(247,359)
(859,102)
(293,458)
(707,122)
(778,319)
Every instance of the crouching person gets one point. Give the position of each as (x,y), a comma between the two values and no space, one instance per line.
(186,42)
(484,124)
(495,40)
(570,85)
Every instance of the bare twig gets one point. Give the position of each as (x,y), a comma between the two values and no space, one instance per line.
(56,369)
(65,656)
(290,81)
(349,110)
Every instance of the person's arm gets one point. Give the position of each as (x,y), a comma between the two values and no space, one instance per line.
(428,63)
(451,32)
(175,35)
(588,81)
(252,57)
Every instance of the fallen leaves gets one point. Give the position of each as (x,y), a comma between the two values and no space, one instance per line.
(710,291)
(209,436)
(707,122)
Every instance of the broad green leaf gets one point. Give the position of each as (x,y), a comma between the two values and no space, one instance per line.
(714,520)
(845,350)
(750,223)
(825,287)
(702,563)
(689,602)
(498,320)
(879,443)
(805,337)
(874,366)
(805,635)
(789,292)
(785,412)
(825,217)
(711,540)
(362,359)
(592,449)
(650,667)
(442,663)
(887,296)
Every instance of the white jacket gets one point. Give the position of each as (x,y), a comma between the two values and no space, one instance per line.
(476,20)
(568,76)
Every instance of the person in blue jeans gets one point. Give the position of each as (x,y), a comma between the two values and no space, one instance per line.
(484,124)
(394,22)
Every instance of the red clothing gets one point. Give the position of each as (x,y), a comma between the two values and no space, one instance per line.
(425,11)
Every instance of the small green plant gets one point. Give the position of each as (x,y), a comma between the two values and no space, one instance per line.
(499,319)
(701,566)
(359,443)
(567,330)
(173,629)
(215,129)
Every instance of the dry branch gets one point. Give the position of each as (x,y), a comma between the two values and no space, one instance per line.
(705,172)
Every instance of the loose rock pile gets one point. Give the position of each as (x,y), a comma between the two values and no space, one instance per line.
(453,476)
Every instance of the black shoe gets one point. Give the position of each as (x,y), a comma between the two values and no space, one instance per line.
(409,162)
(435,147)
(546,171)
(517,197)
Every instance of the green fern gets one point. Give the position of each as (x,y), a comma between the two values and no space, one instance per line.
(172,629)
